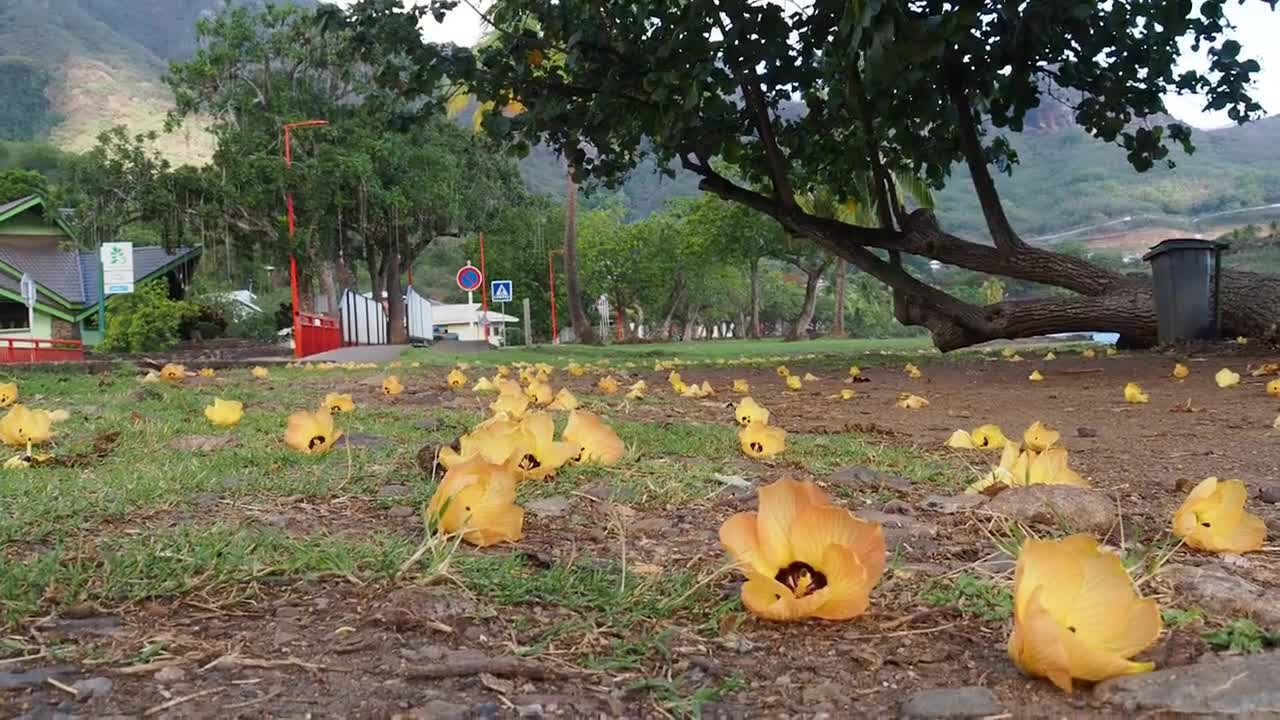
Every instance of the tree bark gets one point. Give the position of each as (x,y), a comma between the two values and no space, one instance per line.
(397,333)
(753,330)
(800,328)
(690,325)
(573,289)
(740,327)
(837,314)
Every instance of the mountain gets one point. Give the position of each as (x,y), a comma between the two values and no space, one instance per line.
(70,68)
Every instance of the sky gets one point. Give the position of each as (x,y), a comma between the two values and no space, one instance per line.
(1257,28)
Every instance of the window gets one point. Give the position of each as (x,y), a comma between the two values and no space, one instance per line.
(13,316)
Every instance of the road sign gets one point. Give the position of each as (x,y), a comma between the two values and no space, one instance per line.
(27,286)
(117,267)
(500,291)
(469,278)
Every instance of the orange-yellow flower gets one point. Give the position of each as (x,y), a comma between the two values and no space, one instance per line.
(338,403)
(1213,518)
(311,433)
(224,413)
(1273,388)
(793,382)
(8,394)
(1040,437)
(260,372)
(1076,614)
(495,441)
(1133,394)
(749,411)
(477,499)
(1226,378)
(762,441)
(21,426)
(538,453)
(207,372)
(173,373)
(456,379)
(608,385)
(1180,371)
(564,400)
(907,401)
(802,556)
(598,442)
(391,385)
(741,386)
(512,402)
(540,392)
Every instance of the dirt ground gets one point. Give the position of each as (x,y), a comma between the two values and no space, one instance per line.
(335,647)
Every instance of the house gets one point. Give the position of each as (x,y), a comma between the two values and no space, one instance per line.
(67,278)
(463,320)
(240,303)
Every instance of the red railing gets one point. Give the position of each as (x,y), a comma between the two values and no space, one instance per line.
(316,334)
(36,350)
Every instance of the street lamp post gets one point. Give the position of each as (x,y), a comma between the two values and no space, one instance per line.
(293,261)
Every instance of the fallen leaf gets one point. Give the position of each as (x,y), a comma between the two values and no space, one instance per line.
(497,684)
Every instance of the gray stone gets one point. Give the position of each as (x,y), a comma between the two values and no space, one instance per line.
(604,490)
(949,505)
(357,439)
(435,710)
(485,711)
(394,491)
(96,687)
(32,678)
(1270,493)
(1072,508)
(962,702)
(903,532)
(650,526)
(1210,586)
(1086,432)
(96,625)
(530,712)
(170,674)
(554,506)
(401,511)
(868,477)
(1238,686)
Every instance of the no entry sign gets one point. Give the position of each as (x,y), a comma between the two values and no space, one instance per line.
(469,278)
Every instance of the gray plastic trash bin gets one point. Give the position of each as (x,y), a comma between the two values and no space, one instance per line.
(1185,272)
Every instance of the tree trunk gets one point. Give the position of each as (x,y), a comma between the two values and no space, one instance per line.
(677,299)
(397,333)
(753,330)
(573,289)
(837,313)
(800,328)
(740,327)
(690,326)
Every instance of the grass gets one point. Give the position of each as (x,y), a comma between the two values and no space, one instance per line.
(149,521)
(972,595)
(768,352)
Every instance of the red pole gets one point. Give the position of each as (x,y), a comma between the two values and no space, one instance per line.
(293,261)
(484,290)
(551,273)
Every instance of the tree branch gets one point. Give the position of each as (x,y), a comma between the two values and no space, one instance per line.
(1002,232)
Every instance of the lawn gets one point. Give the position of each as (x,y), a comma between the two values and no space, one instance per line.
(225,570)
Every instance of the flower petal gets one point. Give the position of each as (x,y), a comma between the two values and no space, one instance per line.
(779,504)
(739,536)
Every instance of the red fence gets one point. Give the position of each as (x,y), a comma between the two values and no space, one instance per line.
(316,334)
(36,350)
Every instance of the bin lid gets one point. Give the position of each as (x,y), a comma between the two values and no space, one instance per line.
(1185,244)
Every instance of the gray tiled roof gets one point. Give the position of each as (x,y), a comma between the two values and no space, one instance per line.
(74,274)
(6,207)
(146,260)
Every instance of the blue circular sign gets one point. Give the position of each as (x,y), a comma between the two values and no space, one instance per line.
(469,278)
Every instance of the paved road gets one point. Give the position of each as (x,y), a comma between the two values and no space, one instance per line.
(360,353)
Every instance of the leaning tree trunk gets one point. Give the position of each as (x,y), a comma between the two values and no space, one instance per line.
(577,314)
(837,313)
(800,328)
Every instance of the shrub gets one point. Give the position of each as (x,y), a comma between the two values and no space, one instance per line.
(255,326)
(145,320)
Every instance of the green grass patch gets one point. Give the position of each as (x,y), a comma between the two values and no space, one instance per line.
(972,595)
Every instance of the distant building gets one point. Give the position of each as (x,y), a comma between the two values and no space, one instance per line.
(463,321)
(66,278)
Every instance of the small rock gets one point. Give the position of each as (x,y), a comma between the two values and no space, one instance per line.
(603,490)
(401,511)
(276,520)
(863,476)
(949,505)
(1211,586)
(429,423)
(170,674)
(203,443)
(1086,432)
(529,712)
(96,625)
(394,491)
(143,394)
(1238,687)
(963,702)
(32,678)
(554,506)
(1270,493)
(97,687)
(485,711)
(435,710)
(900,530)
(1077,509)
(651,526)
(357,439)
(897,507)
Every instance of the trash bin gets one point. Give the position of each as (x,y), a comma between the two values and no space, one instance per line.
(1185,274)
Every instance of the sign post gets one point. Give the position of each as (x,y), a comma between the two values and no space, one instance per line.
(528,325)
(117,268)
(27,286)
(500,292)
(470,278)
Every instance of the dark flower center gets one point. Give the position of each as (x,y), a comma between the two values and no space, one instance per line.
(530,462)
(756,447)
(317,441)
(801,578)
